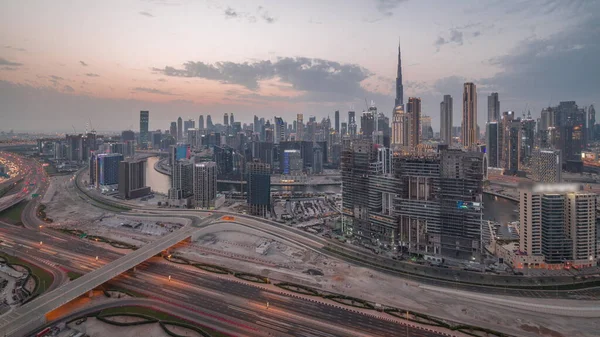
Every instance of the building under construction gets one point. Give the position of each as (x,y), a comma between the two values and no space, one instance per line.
(428,202)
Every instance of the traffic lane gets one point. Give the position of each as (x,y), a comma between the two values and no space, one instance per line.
(363,323)
(276,317)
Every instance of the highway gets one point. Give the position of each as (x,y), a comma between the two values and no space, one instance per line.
(36,309)
(242,302)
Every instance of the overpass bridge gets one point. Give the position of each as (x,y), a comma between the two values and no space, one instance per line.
(22,320)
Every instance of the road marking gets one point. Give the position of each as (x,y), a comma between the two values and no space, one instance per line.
(5,244)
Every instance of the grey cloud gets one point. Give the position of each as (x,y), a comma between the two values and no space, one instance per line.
(68,88)
(476,34)
(231,13)
(144,13)
(152,91)
(303,74)
(161,80)
(5,62)
(538,70)
(455,36)
(92,75)
(9,68)
(386,7)
(55,79)
(83,63)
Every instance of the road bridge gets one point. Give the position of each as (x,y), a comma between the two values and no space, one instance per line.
(18,321)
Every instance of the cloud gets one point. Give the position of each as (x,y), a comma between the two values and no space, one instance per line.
(263,14)
(302,73)
(9,68)
(386,7)
(68,88)
(5,62)
(230,13)
(92,75)
(558,67)
(144,13)
(83,63)
(55,79)
(163,2)
(455,37)
(15,48)
(152,91)
(181,101)
(162,80)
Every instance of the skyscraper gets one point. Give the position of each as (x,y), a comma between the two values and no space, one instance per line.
(201,122)
(337,121)
(300,127)
(493,107)
(446,111)
(280,127)
(132,179)
(259,188)
(546,166)
(144,121)
(399,86)
(209,123)
(513,154)
(591,122)
(231,119)
(205,184)
(398,127)
(226,119)
(492,144)
(469,118)
(413,112)
(182,183)
(179,129)
(426,130)
(173,129)
(352,127)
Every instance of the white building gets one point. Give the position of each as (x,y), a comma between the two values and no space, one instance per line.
(205,184)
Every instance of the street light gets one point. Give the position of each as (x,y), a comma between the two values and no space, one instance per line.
(169,278)
(41,243)
(96,258)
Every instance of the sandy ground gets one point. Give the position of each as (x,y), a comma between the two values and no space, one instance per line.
(67,210)
(286,262)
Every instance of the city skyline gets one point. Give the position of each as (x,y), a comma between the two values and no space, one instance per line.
(44,79)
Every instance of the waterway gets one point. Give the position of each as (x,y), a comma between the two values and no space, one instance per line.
(495,208)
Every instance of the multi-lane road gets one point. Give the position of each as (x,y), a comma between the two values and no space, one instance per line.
(209,294)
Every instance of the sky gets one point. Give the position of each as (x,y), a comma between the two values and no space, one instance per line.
(66,64)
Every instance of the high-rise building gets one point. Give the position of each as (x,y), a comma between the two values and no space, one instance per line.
(292,162)
(426,130)
(558,223)
(492,144)
(344,129)
(352,127)
(189,124)
(546,166)
(513,154)
(280,127)
(107,169)
(493,108)
(259,188)
(367,123)
(300,127)
(337,121)
(226,119)
(591,122)
(413,112)
(173,129)
(201,122)
(179,129)
(144,121)
(469,117)
(127,135)
(75,148)
(446,112)
(528,138)
(182,182)
(231,119)
(132,179)
(399,127)
(399,87)
(317,164)
(209,123)
(205,184)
